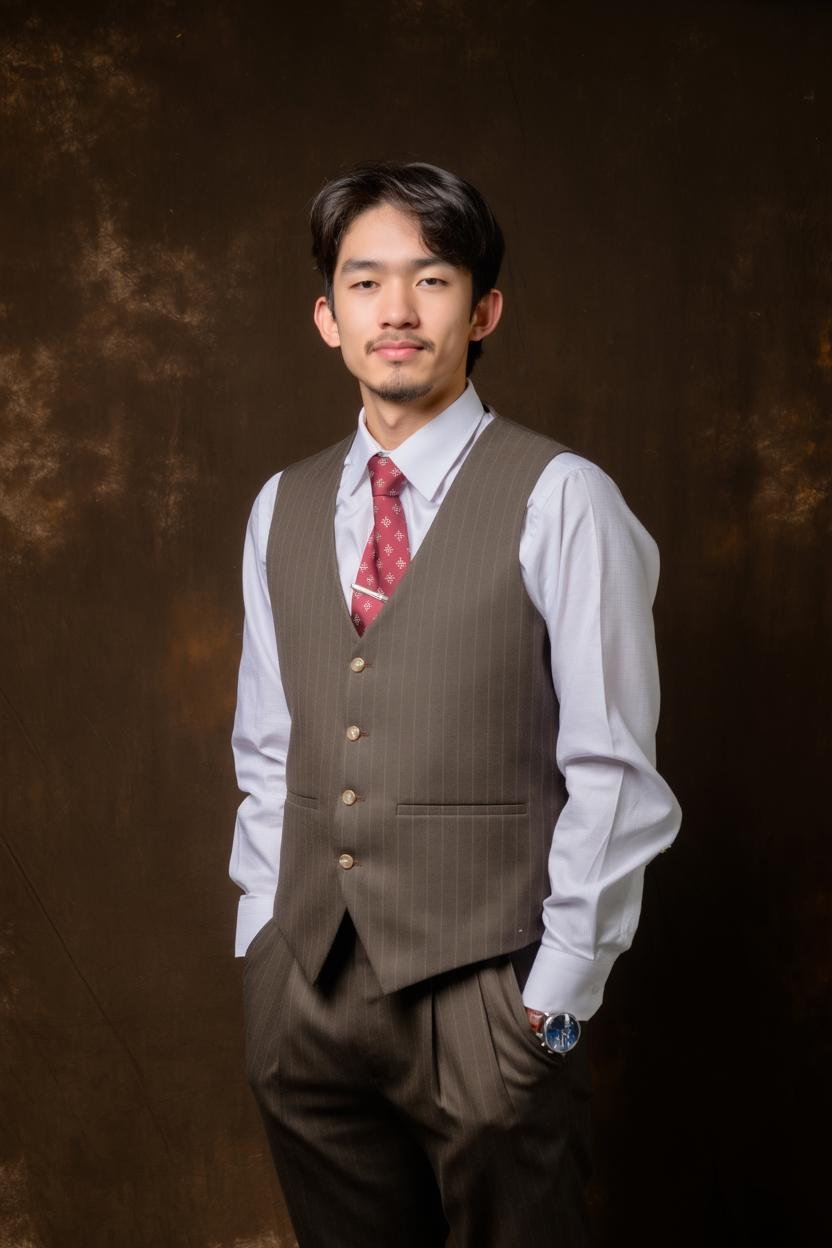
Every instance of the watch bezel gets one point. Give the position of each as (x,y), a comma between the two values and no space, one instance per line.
(541,1033)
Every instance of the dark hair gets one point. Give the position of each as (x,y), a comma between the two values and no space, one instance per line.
(455,221)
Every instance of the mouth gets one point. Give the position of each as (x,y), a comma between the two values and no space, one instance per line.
(403,351)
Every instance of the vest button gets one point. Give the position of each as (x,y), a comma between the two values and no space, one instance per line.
(353,732)
(346,861)
(349,796)
(358,664)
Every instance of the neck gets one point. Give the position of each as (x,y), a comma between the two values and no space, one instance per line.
(391,423)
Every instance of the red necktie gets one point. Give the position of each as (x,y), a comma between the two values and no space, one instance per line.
(387,553)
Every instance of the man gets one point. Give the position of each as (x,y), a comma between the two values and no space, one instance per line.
(452,794)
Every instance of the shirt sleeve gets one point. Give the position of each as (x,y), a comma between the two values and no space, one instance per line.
(260,737)
(592,569)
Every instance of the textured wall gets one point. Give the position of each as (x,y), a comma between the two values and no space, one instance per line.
(663,177)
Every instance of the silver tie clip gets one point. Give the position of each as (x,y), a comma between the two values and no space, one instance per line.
(374,593)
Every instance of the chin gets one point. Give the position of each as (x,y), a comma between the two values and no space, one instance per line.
(399,389)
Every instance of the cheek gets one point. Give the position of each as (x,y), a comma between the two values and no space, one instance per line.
(352,342)
(355,356)
(453,338)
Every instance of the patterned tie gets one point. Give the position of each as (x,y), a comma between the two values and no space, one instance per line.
(387,553)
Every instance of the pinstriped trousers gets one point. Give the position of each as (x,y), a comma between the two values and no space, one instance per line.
(394,1119)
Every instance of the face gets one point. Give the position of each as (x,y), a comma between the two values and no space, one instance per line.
(403,317)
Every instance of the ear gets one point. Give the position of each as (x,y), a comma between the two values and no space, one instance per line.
(486,315)
(327,325)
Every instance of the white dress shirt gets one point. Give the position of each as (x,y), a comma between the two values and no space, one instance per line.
(591,569)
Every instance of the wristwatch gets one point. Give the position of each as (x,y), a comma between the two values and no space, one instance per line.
(559,1033)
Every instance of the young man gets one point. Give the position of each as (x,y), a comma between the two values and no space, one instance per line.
(450,766)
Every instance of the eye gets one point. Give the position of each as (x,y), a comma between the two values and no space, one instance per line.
(365,282)
(440,280)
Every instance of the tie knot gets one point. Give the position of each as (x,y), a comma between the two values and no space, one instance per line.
(385,477)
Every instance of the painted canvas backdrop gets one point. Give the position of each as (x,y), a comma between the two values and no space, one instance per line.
(662,176)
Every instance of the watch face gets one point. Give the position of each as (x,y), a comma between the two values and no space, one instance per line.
(561,1032)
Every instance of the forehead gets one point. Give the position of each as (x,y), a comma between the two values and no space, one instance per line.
(383,233)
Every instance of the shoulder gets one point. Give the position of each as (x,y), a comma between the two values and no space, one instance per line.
(560,464)
(525,439)
(573,493)
(576,474)
(262,509)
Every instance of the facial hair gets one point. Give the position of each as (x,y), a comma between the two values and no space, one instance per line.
(400,390)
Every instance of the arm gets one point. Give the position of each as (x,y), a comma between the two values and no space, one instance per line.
(592,569)
(260,736)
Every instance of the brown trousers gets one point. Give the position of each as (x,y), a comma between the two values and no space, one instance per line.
(394,1119)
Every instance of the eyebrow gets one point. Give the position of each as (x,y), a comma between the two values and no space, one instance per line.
(422,262)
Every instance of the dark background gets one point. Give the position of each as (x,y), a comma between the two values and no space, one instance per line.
(662,174)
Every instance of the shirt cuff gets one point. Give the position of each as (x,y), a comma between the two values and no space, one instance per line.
(252,913)
(562,981)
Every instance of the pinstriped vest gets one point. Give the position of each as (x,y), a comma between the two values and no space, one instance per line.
(457,784)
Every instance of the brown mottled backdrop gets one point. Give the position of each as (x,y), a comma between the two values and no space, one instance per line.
(663,177)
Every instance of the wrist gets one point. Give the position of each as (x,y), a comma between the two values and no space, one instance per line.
(557,1032)
(536,1018)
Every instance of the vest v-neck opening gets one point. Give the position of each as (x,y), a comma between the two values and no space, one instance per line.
(335,573)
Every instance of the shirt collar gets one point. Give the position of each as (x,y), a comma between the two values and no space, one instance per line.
(425,457)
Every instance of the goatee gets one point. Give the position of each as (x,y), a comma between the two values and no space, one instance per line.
(399,390)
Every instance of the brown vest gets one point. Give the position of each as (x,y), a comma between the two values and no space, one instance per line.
(441,858)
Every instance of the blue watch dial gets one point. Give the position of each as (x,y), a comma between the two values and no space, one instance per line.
(561,1032)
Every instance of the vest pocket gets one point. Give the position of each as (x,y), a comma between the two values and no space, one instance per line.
(462,809)
(300,799)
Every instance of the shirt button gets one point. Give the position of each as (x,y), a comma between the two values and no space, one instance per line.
(358,664)
(349,796)
(346,861)
(353,732)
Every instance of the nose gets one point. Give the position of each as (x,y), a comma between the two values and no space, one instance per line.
(397,306)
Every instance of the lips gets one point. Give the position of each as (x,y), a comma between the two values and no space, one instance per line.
(397,350)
